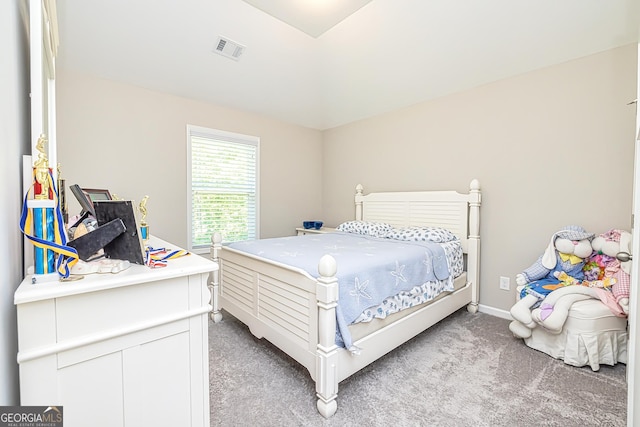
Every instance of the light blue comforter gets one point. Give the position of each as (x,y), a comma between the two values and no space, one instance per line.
(370,269)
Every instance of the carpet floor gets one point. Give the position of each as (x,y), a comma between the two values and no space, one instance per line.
(467,370)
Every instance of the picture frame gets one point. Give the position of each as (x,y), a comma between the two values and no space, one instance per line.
(86,197)
(128,245)
(94,194)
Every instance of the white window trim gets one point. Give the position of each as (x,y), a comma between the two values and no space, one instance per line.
(220,134)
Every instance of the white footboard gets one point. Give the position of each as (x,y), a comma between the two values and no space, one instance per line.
(289,308)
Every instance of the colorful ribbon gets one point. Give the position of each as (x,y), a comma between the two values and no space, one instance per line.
(67,256)
(157,257)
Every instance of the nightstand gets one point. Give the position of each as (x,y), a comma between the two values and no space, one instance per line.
(301,231)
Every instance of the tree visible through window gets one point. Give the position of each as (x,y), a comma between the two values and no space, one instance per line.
(223,186)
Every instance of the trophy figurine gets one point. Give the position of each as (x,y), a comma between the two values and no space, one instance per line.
(41,167)
(144,227)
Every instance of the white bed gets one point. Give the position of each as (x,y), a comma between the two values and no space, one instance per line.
(303,322)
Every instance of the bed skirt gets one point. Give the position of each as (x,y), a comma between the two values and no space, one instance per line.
(360,330)
(591,335)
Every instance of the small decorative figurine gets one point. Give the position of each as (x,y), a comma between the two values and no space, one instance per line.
(144,227)
(41,166)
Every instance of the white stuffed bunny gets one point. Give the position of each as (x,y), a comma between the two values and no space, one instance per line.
(566,253)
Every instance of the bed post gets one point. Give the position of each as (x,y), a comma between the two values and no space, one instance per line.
(327,350)
(214,286)
(358,199)
(473,256)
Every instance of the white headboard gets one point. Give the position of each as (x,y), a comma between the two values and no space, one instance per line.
(457,212)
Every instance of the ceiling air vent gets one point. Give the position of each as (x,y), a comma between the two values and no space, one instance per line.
(229,48)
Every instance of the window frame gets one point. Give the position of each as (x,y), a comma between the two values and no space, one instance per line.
(220,135)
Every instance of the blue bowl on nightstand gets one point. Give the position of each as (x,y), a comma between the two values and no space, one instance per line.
(312,224)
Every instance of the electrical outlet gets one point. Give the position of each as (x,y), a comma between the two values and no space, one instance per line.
(505,283)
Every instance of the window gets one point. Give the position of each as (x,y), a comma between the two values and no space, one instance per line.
(222,180)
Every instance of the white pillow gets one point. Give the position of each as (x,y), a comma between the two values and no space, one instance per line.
(375,229)
(422,234)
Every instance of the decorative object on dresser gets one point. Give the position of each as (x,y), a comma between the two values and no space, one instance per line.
(42,224)
(299,312)
(86,197)
(144,227)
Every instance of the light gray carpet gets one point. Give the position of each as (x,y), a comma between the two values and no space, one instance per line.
(468,370)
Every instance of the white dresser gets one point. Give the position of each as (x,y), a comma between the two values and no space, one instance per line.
(125,349)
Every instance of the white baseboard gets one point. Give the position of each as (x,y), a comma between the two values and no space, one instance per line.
(495,311)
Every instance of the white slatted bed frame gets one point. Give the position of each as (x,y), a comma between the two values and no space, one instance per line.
(296,312)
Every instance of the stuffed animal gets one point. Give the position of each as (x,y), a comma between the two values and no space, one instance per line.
(606,246)
(566,253)
(608,282)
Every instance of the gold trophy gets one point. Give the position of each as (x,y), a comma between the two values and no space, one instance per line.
(144,227)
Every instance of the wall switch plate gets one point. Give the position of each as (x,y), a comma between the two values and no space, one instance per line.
(505,283)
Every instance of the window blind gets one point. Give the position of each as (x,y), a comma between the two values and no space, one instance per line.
(224,187)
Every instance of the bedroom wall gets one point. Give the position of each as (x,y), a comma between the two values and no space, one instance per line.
(14,135)
(133,142)
(550,148)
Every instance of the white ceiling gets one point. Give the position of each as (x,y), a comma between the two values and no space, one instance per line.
(387,55)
